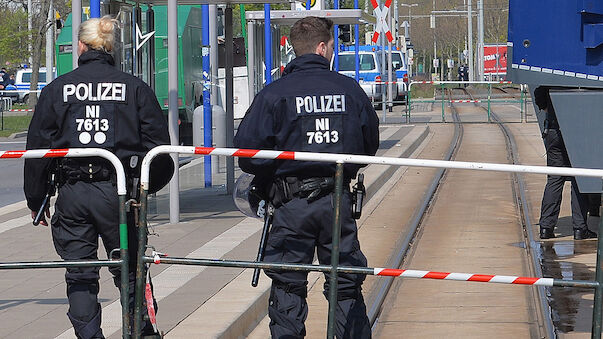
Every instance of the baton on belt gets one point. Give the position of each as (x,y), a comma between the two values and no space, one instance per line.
(51,191)
(262,249)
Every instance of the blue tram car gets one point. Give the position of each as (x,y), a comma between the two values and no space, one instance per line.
(559,44)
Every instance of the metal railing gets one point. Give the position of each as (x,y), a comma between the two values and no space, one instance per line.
(489,100)
(7,103)
(334,268)
(123,229)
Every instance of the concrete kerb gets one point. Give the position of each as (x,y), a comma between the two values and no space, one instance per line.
(18,135)
(230,321)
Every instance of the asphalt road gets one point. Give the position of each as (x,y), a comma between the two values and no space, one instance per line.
(11,173)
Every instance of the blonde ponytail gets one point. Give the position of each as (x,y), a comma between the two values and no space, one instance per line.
(98,34)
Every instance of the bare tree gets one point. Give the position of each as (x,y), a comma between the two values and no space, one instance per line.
(40,25)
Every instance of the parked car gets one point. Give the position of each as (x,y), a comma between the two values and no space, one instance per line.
(370,72)
(23,81)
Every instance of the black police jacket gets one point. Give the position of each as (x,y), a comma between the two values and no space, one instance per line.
(310,109)
(96,105)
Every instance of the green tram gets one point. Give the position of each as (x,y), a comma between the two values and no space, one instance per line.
(190,68)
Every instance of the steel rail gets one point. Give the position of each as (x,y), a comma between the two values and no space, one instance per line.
(533,246)
(382,291)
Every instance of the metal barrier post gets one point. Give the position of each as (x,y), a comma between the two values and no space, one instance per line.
(598,302)
(408,105)
(489,96)
(443,118)
(140,277)
(335,251)
(125,272)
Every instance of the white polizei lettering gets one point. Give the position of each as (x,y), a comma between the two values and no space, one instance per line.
(78,92)
(337,103)
(308,104)
(119,92)
(315,107)
(91,95)
(106,89)
(68,89)
(299,102)
(322,103)
(329,107)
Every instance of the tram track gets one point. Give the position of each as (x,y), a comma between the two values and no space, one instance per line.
(522,204)
(378,298)
(376,301)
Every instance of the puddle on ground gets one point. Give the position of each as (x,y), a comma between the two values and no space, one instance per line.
(568,302)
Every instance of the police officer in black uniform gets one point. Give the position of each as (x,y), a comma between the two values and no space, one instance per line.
(556,155)
(310,109)
(96,105)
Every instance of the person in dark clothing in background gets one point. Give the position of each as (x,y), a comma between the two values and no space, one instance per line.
(310,109)
(556,155)
(96,105)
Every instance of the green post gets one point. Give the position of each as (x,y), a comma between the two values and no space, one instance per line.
(408,105)
(244,30)
(125,281)
(443,98)
(140,269)
(489,96)
(597,304)
(335,251)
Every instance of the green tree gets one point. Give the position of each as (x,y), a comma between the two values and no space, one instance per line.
(13,36)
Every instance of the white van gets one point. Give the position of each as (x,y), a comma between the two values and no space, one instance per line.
(23,81)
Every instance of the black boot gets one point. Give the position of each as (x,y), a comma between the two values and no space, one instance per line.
(584,233)
(546,233)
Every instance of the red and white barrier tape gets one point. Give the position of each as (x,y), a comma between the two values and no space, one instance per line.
(21,110)
(501,279)
(465,101)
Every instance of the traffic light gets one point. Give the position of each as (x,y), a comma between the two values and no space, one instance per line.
(345,34)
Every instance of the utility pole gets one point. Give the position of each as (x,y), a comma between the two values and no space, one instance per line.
(435,50)
(50,44)
(29,28)
(408,38)
(409,16)
(470,39)
(480,38)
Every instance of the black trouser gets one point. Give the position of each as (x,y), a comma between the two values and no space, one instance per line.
(551,199)
(83,211)
(298,229)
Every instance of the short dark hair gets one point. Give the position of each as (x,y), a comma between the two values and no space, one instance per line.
(308,32)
